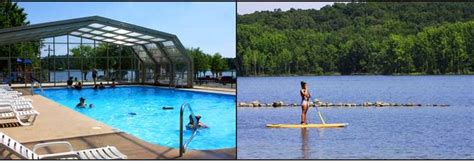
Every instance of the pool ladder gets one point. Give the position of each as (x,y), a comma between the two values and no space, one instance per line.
(184,145)
(33,85)
(175,84)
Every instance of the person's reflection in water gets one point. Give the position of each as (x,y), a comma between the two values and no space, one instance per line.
(305,146)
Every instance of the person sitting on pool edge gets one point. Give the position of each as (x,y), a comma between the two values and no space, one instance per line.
(82,103)
(101,86)
(199,123)
(113,83)
(305,96)
(69,82)
(78,85)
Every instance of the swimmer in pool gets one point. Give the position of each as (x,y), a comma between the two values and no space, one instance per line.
(82,103)
(101,86)
(78,85)
(199,123)
(305,97)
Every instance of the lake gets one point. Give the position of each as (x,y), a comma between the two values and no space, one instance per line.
(373,133)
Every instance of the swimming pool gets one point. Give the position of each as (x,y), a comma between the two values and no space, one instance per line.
(137,110)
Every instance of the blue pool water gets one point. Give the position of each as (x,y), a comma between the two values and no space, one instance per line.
(373,133)
(151,123)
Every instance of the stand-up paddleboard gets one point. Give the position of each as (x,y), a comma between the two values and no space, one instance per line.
(336,125)
(323,125)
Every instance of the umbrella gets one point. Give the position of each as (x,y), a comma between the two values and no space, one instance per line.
(27,61)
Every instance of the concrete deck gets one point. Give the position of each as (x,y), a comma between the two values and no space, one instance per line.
(59,123)
(228,90)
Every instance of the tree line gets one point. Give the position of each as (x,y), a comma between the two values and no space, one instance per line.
(215,63)
(358,38)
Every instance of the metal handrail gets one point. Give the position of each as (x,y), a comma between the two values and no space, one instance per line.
(33,85)
(183,145)
(176,82)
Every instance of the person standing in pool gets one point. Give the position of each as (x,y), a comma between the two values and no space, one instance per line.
(82,103)
(113,84)
(305,97)
(94,75)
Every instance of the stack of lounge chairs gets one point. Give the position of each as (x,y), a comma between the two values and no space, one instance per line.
(15,107)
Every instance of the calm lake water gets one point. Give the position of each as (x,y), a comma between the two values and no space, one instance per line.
(373,133)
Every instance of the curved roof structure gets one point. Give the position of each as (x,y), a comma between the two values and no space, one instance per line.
(100,29)
(162,47)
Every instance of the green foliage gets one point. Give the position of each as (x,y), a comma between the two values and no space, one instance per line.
(358,38)
(204,62)
(218,64)
(201,61)
(11,15)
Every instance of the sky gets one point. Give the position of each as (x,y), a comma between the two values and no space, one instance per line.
(250,7)
(209,26)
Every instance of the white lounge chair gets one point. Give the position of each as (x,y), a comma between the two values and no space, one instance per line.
(9,147)
(5,87)
(7,92)
(9,97)
(23,117)
(17,104)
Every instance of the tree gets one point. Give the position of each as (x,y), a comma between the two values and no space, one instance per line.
(218,64)
(201,61)
(12,16)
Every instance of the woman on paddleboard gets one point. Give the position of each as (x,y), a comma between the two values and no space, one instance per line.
(305,97)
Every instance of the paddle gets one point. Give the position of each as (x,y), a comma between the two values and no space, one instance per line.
(319,114)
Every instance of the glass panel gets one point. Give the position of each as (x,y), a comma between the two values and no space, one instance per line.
(122,31)
(168,43)
(60,39)
(96,25)
(120,37)
(97,32)
(142,54)
(109,40)
(128,44)
(142,42)
(89,42)
(157,39)
(59,68)
(146,37)
(109,35)
(87,35)
(85,29)
(119,42)
(109,28)
(131,40)
(134,34)
(74,39)
(76,33)
(99,38)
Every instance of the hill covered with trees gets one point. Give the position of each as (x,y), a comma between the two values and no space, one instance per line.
(358,38)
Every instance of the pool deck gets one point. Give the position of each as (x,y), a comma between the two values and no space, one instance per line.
(59,123)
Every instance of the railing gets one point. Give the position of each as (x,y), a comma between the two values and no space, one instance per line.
(176,82)
(183,145)
(33,85)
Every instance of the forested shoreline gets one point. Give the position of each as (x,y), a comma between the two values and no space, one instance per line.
(358,38)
